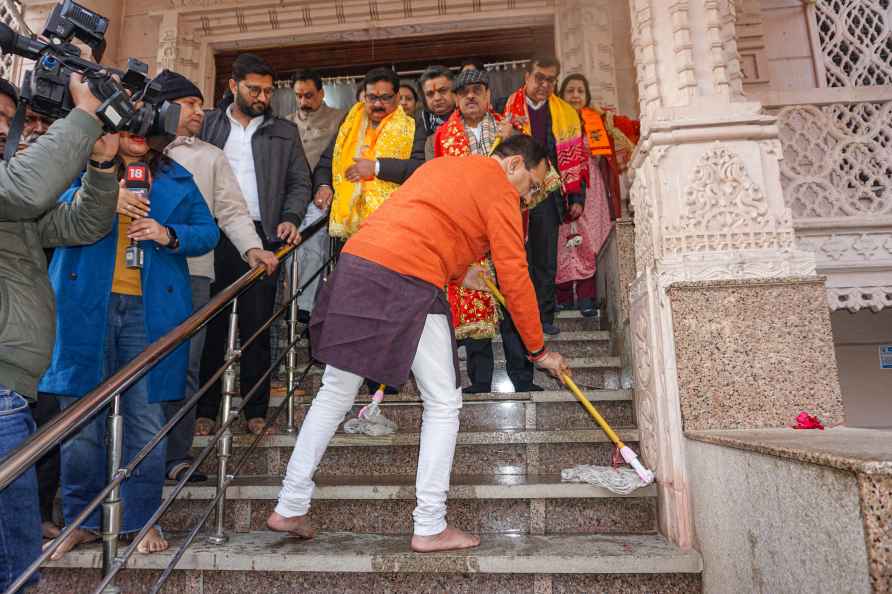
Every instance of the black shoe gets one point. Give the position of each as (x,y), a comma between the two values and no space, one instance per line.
(530,387)
(303,316)
(550,329)
(180,469)
(477,389)
(564,306)
(587,308)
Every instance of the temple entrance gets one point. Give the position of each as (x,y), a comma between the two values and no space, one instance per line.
(343,63)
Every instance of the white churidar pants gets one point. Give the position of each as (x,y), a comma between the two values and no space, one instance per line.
(435,375)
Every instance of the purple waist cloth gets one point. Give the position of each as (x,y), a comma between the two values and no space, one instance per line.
(368,320)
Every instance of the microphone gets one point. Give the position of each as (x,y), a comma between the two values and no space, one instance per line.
(136,180)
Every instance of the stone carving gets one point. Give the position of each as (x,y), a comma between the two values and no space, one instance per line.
(644,47)
(686,78)
(644,222)
(167,50)
(856,41)
(735,265)
(858,298)
(585,45)
(837,159)
(724,209)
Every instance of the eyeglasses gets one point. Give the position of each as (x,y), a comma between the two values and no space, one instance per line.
(541,79)
(372,99)
(254,90)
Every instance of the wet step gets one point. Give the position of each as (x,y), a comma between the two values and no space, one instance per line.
(363,563)
(570,344)
(590,373)
(486,505)
(489,452)
(553,410)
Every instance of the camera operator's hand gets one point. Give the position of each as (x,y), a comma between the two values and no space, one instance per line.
(554,364)
(130,204)
(149,230)
(81,95)
(105,148)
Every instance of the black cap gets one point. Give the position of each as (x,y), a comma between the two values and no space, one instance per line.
(176,86)
(470,77)
(9,89)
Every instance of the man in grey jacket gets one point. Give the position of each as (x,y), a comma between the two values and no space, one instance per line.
(268,160)
(30,219)
(219,186)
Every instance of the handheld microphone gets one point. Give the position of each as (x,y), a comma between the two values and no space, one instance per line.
(136,180)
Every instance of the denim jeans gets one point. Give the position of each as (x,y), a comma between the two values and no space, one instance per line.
(84,467)
(179,440)
(20,537)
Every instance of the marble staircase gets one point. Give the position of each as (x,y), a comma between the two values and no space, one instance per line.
(539,535)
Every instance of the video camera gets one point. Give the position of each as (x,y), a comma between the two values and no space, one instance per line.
(45,88)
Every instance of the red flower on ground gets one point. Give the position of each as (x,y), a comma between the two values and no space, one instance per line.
(807,421)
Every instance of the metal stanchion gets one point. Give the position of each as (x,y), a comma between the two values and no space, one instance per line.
(291,359)
(224,447)
(111,507)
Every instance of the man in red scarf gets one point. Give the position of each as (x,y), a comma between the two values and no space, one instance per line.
(537,111)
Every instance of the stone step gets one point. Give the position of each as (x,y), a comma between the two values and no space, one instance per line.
(364,563)
(485,505)
(477,453)
(598,373)
(569,344)
(278,395)
(504,415)
(573,321)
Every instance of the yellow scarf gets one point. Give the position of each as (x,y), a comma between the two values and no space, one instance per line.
(392,139)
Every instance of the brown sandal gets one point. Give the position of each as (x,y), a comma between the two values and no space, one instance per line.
(204,426)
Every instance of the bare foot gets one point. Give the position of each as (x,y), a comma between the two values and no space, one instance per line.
(298,526)
(451,539)
(50,530)
(204,426)
(258,425)
(152,542)
(78,536)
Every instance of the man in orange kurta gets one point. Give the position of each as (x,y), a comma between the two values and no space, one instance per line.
(384,313)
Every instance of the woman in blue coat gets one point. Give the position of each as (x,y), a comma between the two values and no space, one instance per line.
(106,315)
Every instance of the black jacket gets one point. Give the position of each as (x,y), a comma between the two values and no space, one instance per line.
(284,183)
(392,170)
(555,197)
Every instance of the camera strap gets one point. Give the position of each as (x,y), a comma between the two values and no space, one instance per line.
(15,132)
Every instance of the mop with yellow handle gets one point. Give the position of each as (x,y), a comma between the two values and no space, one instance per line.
(617,480)
(370,421)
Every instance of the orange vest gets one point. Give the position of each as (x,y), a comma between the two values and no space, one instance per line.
(598,139)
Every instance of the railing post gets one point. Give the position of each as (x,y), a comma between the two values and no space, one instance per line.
(224,447)
(111,507)
(291,360)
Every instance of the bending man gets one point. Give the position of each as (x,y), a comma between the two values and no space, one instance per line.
(384,313)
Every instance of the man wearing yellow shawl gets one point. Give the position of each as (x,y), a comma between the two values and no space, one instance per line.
(535,110)
(376,149)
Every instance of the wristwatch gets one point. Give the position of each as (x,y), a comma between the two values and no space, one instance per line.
(174,242)
(104,164)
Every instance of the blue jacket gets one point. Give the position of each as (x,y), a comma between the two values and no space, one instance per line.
(82,280)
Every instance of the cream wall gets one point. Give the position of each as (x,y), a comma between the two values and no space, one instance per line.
(866,388)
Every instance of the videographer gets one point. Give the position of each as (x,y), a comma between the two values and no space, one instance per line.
(30,219)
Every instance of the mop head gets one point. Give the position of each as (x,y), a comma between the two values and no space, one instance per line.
(622,481)
(370,421)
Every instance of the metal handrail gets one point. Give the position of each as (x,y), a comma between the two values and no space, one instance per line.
(74,417)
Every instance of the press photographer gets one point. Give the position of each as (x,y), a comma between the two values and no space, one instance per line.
(31,219)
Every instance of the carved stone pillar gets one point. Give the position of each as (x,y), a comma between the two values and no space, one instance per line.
(728,322)
(584,39)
